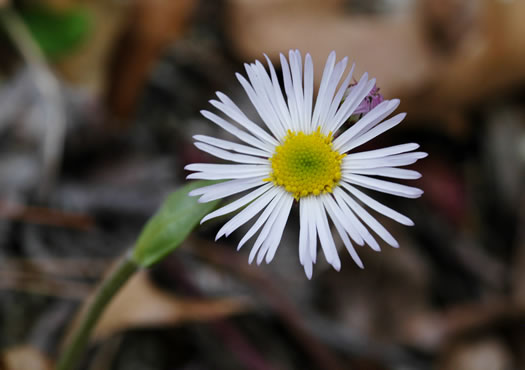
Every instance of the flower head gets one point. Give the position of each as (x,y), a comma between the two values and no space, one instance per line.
(300,155)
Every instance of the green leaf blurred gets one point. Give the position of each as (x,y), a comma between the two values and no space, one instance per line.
(172,223)
(57,32)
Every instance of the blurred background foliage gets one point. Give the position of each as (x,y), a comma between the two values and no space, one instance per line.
(57,31)
(98,103)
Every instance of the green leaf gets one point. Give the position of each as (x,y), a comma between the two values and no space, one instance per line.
(57,31)
(172,223)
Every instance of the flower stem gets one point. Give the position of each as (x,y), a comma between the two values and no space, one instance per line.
(109,287)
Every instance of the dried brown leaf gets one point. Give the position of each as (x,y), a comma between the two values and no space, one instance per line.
(487,55)
(24,358)
(484,354)
(152,25)
(142,304)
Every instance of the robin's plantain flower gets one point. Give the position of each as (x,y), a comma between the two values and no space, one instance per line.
(300,155)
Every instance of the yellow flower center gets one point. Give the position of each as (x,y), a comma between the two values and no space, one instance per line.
(306,164)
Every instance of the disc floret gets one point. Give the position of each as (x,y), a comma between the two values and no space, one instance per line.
(306,164)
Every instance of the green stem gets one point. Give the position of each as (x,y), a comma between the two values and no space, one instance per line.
(110,285)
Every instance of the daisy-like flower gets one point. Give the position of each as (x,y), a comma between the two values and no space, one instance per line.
(300,155)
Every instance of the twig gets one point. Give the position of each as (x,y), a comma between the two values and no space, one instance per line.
(45,216)
(71,268)
(38,284)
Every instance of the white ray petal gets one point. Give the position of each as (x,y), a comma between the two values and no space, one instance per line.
(383,152)
(325,236)
(336,102)
(304,253)
(258,101)
(335,78)
(372,223)
(341,231)
(247,213)
(278,229)
(240,134)
(263,235)
(265,246)
(372,133)
(228,107)
(303,232)
(223,154)
(322,97)
(395,173)
(308,92)
(368,121)
(379,207)
(238,203)
(279,97)
(396,160)
(220,176)
(261,84)
(226,168)
(344,220)
(317,211)
(297,85)
(211,171)
(308,270)
(275,102)
(262,218)
(352,101)
(383,186)
(312,228)
(225,189)
(342,200)
(288,88)
(229,145)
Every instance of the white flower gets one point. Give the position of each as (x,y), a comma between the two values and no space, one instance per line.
(300,155)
